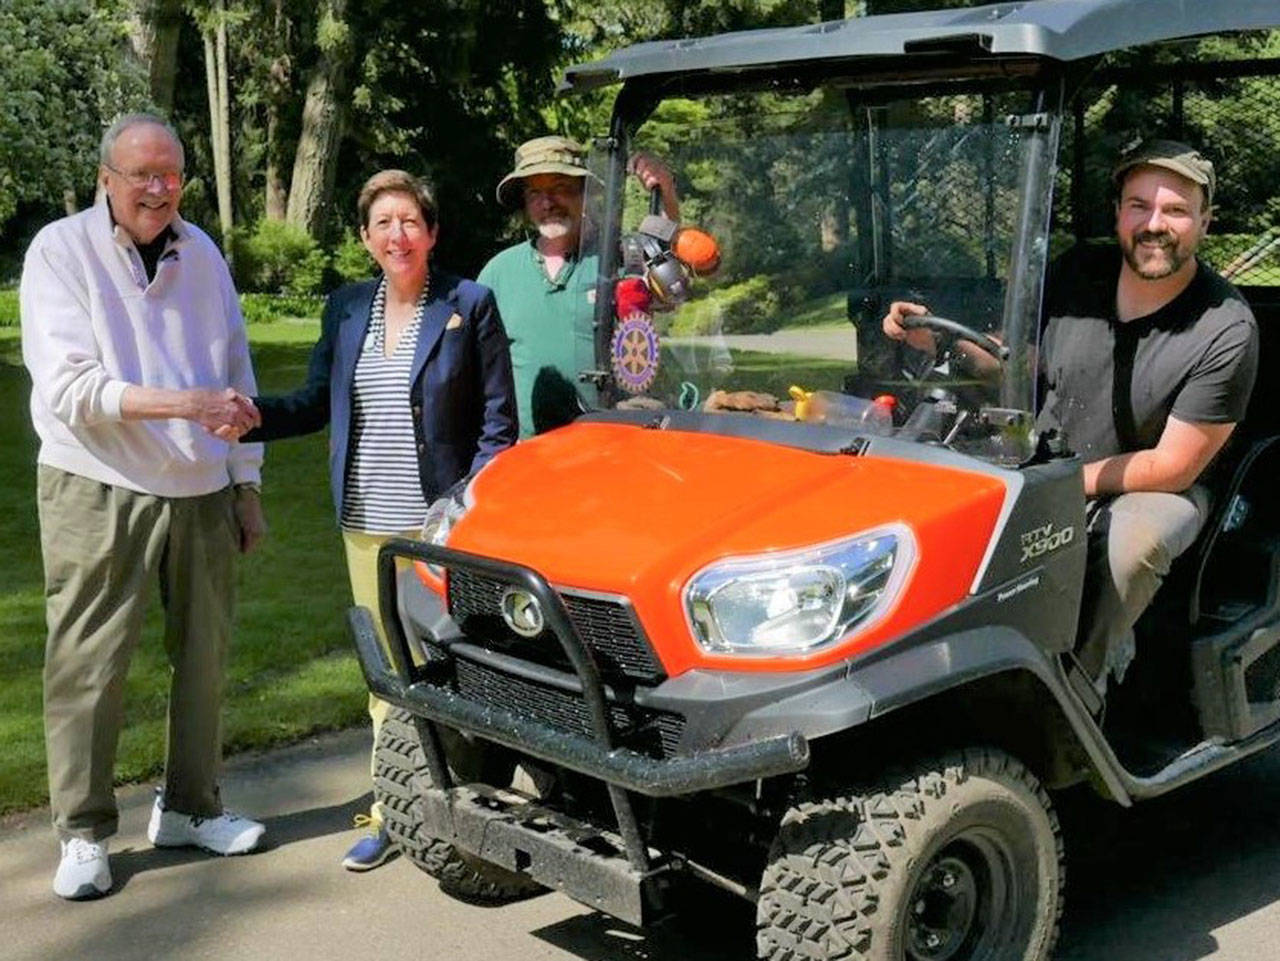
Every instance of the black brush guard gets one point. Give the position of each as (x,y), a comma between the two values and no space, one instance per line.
(399,681)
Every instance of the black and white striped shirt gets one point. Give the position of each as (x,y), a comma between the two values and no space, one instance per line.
(383,491)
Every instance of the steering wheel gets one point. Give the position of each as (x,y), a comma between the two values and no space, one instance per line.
(942,325)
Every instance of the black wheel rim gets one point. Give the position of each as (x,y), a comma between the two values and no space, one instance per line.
(962,903)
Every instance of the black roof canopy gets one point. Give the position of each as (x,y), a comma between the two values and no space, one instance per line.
(1062,30)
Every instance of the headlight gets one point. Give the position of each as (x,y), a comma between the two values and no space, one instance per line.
(445,511)
(798,600)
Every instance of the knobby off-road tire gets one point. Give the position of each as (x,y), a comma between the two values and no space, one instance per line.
(400,774)
(955,859)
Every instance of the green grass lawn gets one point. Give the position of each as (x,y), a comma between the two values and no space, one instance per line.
(292,668)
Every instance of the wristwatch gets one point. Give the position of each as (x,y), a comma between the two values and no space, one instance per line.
(247,486)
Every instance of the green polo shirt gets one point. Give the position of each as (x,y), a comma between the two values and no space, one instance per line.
(549,324)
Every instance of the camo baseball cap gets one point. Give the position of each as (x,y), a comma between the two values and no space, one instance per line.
(543,155)
(1171,155)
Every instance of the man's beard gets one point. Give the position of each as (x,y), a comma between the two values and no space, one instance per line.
(555,229)
(1155,268)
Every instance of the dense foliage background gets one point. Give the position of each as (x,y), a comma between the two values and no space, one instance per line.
(286,106)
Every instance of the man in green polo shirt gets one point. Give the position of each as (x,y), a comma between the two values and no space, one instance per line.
(545,287)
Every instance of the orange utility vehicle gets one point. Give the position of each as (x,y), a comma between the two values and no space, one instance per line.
(823,662)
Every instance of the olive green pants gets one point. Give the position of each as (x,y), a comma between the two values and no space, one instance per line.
(1134,539)
(103,547)
(362,568)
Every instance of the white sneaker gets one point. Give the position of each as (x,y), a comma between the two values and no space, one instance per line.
(225,834)
(83,873)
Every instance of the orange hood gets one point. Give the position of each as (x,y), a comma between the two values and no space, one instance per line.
(626,510)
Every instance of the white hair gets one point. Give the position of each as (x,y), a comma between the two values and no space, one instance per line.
(123,123)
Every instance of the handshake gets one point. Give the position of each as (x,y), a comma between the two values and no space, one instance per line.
(227,414)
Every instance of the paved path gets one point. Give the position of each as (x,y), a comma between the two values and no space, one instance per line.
(832,343)
(1195,876)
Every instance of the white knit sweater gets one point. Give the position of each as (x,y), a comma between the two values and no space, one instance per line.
(92,325)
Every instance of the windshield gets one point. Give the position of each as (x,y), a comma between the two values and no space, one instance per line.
(815,213)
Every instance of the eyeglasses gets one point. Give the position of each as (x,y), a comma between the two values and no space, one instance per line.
(169,180)
(558,193)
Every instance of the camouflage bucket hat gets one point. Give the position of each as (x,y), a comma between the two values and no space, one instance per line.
(544,155)
(1171,155)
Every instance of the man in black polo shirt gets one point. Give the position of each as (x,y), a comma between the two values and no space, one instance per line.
(1147,362)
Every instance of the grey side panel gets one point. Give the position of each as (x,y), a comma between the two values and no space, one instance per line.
(918,672)
(910,675)
(1047,518)
(720,705)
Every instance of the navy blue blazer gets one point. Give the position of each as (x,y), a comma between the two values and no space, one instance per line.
(461,391)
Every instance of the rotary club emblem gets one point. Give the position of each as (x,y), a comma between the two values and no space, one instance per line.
(635,353)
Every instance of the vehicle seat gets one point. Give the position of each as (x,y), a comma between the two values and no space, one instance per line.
(1237,549)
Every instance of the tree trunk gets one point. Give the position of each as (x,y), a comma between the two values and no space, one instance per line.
(834,224)
(278,91)
(154,28)
(323,118)
(211,90)
(215,73)
(277,191)
(223,162)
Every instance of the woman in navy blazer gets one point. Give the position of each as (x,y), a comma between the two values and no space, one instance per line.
(437,338)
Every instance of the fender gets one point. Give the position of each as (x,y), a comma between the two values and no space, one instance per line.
(921,671)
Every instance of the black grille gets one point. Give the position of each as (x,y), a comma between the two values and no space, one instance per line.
(655,733)
(606,626)
(471,595)
(610,631)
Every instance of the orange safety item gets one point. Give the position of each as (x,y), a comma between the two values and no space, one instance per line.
(697,249)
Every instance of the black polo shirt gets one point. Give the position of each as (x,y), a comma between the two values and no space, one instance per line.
(1109,386)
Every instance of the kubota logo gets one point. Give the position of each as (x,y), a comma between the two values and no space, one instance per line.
(1044,540)
(522,612)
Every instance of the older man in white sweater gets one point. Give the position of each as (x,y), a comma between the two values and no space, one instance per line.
(133,336)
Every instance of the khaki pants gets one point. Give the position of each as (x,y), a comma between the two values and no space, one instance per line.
(1133,540)
(362,568)
(103,546)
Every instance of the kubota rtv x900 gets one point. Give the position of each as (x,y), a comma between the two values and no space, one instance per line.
(701,635)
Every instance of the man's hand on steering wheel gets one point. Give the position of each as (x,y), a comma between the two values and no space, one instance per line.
(915,326)
(918,337)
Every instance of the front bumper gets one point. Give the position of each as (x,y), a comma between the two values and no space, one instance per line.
(416,689)
(617,872)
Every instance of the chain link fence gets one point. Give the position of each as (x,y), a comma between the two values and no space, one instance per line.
(1229,109)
